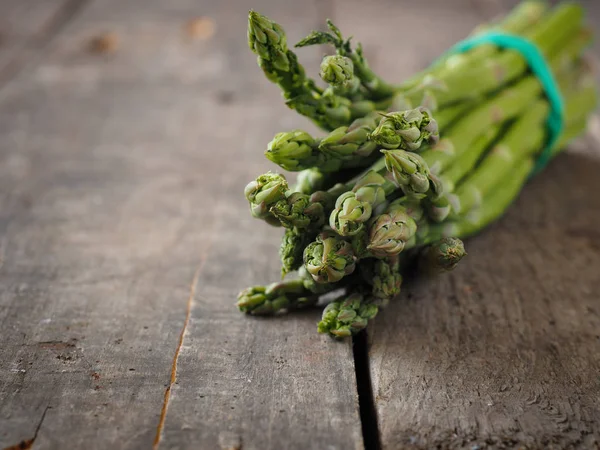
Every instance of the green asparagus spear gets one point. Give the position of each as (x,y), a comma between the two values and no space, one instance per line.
(285,295)
(390,231)
(493,207)
(526,136)
(498,200)
(292,249)
(353,208)
(482,78)
(468,159)
(376,87)
(268,41)
(263,193)
(298,211)
(504,106)
(406,130)
(441,256)
(337,70)
(347,315)
(384,277)
(276,297)
(344,147)
(355,145)
(520,20)
(522,140)
(328,259)
(311,180)
(410,172)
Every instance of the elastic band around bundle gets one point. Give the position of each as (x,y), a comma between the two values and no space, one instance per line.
(540,68)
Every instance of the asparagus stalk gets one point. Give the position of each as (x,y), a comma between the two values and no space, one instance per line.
(411,173)
(493,207)
(407,130)
(347,315)
(271,200)
(504,106)
(413,176)
(572,132)
(328,259)
(522,140)
(346,146)
(355,145)
(408,170)
(330,110)
(301,211)
(263,193)
(441,202)
(468,159)
(292,249)
(441,256)
(311,180)
(519,21)
(350,314)
(337,70)
(376,87)
(275,298)
(482,78)
(354,207)
(285,295)
(390,231)
(499,199)
(384,277)
(331,257)
(268,41)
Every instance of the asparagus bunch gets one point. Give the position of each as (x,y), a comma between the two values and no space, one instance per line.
(406,170)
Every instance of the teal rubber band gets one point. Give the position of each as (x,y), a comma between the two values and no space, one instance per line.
(540,68)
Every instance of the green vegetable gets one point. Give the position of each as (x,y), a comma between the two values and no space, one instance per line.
(405,172)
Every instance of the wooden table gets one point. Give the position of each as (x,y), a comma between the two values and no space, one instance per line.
(124,239)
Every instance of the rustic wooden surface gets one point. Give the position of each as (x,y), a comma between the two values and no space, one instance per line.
(120,211)
(121,258)
(505,351)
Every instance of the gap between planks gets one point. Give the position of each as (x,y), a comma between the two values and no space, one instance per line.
(364,388)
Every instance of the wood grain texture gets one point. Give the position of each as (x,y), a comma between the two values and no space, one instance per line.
(26,29)
(247,382)
(505,351)
(120,195)
(122,247)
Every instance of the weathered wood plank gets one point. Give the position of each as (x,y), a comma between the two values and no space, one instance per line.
(504,352)
(120,194)
(243,382)
(26,28)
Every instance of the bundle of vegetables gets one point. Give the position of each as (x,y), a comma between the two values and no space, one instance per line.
(406,170)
